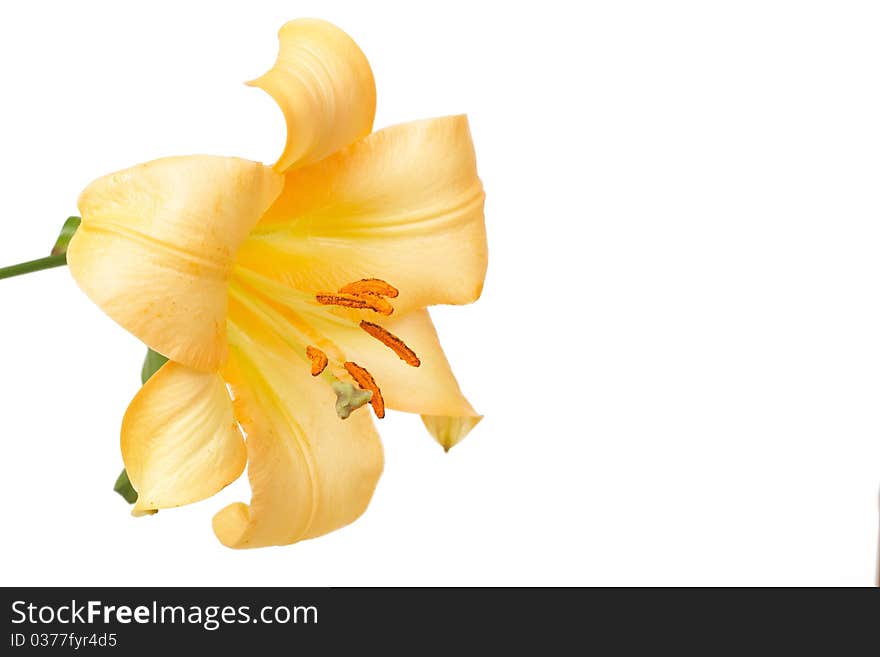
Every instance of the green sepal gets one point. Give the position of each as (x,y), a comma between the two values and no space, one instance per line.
(67,231)
(123,487)
(152,362)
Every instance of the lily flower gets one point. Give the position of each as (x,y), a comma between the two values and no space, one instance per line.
(287,297)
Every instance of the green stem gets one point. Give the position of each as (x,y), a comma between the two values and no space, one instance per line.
(33,265)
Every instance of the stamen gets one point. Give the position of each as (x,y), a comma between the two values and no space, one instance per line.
(370,286)
(318,358)
(377,303)
(391,341)
(366,301)
(348,300)
(365,380)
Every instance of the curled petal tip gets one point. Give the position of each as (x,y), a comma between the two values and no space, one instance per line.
(449,431)
(140,513)
(323,84)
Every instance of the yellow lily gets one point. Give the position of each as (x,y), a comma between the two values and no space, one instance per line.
(288,296)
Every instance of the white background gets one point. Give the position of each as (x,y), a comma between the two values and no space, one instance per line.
(677,350)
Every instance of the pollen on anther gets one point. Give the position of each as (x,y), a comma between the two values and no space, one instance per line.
(370,286)
(377,303)
(347,300)
(366,301)
(366,381)
(318,358)
(391,341)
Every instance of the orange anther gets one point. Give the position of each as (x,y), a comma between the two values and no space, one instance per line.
(360,301)
(366,381)
(318,358)
(370,286)
(394,343)
(347,300)
(377,303)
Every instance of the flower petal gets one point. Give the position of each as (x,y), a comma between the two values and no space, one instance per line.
(403,204)
(310,472)
(156,245)
(325,87)
(449,431)
(180,442)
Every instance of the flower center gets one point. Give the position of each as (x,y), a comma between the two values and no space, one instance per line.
(302,322)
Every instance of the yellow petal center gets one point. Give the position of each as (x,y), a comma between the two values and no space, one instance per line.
(259,306)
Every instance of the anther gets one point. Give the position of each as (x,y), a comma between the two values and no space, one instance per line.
(365,301)
(391,341)
(370,286)
(347,300)
(366,382)
(377,303)
(318,358)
